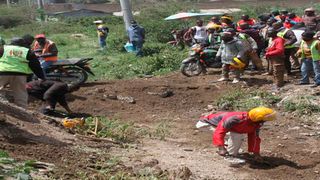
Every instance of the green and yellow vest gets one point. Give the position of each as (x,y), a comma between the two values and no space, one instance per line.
(314,51)
(14,59)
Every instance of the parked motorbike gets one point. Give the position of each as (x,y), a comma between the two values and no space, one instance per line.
(73,71)
(199,60)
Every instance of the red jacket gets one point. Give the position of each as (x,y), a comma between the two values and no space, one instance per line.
(238,122)
(276,47)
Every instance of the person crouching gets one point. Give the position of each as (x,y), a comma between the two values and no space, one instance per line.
(238,124)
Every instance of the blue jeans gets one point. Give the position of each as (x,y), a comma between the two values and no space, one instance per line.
(102,41)
(306,68)
(137,45)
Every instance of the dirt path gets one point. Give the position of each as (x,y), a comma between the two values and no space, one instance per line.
(176,101)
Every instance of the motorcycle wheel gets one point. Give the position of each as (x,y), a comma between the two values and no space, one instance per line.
(191,68)
(75,76)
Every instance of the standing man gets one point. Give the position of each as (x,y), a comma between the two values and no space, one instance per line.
(102,31)
(16,63)
(230,49)
(136,35)
(275,55)
(290,39)
(46,50)
(310,58)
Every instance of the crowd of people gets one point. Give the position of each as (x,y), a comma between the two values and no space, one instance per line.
(280,37)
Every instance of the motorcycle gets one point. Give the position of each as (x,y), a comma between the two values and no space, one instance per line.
(73,71)
(199,60)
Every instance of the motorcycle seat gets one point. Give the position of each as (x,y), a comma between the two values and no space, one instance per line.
(67,61)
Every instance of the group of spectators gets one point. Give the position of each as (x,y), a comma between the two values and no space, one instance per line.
(281,37)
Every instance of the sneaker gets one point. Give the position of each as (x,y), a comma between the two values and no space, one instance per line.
(235,80)
(223,79)
(302,83)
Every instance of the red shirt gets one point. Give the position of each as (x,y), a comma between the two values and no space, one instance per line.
(238,122)
(276,47)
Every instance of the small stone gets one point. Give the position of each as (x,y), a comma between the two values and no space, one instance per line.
(295,128)
(285,138)
(210,107)
(317,172)
(186,149)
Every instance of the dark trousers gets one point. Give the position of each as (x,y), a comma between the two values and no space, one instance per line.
(288,52)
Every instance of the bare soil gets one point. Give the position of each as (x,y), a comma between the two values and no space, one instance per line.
(287,148)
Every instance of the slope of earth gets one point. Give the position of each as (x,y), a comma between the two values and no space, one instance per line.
(290,145)
(288,153)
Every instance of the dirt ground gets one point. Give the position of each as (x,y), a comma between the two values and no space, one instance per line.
(287,149)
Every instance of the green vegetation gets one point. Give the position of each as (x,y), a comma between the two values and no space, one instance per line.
(242,99)
(302,105)
(11,168)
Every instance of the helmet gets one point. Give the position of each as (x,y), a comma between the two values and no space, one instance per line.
(98,22)
(237,63)
(38,36)
(216,27)
(226,16)
(262,114)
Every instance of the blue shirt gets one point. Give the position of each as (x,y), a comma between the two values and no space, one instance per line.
(136,33)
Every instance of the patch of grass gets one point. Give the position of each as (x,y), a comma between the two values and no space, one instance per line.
(302,105)
(162,130)
(119,131)
(12,168)
(240,99)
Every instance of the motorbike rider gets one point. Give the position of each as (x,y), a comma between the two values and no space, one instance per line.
(239,124)
(46,50)
(16,63)
(213,37)
(230,49)
(214,21)
(51,92)
(227,22)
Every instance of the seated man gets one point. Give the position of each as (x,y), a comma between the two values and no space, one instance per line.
(46,50)
(52,92)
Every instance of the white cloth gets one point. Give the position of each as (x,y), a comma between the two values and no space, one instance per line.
(298,33)
(201,33)
(234,143)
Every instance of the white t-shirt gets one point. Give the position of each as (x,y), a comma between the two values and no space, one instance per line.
(201,33)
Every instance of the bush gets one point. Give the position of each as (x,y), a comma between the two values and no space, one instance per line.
(15,16)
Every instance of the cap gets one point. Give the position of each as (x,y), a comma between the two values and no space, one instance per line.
(38,36)
(98,22)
